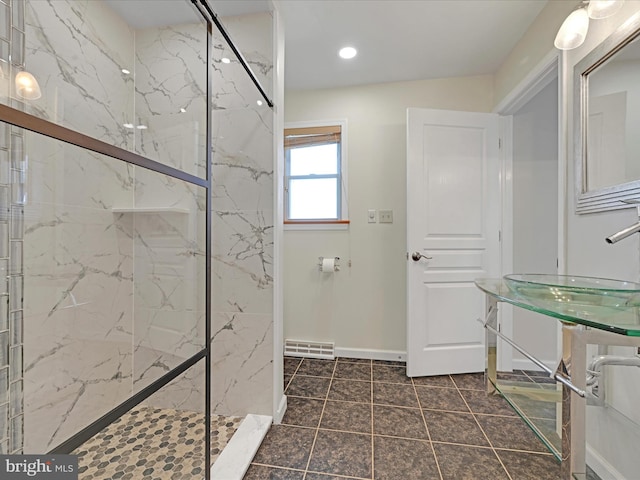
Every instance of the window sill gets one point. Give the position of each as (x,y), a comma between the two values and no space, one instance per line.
(316,225)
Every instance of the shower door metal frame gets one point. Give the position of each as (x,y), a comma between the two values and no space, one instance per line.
(20,119)
(54,131)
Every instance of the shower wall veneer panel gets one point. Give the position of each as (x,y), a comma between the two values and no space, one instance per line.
(243,216)
(169,314)
(78,255)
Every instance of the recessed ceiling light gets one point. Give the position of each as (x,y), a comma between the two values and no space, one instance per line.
(125,71)
(127,125)
(348,52)
(141,127)
(225,60)
(183,110)
(259,102)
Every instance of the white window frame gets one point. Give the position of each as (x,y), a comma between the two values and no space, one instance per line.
(343,193)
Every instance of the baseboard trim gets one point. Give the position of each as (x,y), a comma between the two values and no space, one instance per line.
(237,455)
(525,364)
(389,355)
(603,469)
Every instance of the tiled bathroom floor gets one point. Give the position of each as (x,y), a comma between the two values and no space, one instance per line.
(363,419)
(155,444)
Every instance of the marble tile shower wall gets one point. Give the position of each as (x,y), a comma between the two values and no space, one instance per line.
(93,97)
(169,314)
(242,344)
(79,268)
(78,292)
(79,249)
(170,95)
(87,263)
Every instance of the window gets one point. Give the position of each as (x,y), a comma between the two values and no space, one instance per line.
(314,180)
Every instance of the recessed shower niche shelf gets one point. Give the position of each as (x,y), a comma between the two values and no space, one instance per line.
(180,210)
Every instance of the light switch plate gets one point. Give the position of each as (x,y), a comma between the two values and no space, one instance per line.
(371,216)
(386,216)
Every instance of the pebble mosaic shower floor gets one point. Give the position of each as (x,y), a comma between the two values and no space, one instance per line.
(153,443)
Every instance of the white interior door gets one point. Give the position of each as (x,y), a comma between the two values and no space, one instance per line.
(453,221)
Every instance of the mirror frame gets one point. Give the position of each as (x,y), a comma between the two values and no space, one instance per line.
(612,197)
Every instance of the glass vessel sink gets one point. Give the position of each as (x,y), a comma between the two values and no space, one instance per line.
(574,290)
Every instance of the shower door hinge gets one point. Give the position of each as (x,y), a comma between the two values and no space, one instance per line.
(500,143)
(499,235)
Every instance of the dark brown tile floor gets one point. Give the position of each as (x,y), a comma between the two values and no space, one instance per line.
(363,419)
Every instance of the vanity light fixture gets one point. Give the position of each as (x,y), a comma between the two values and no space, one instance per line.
(27,86)
(574,29)
(347,52)
(598,9)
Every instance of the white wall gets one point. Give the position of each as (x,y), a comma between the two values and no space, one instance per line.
(363,306)
(534,45)
(535,214)
(585,249)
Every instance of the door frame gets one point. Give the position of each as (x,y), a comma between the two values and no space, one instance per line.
(547,70)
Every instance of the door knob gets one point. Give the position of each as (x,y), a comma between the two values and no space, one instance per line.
(416,256)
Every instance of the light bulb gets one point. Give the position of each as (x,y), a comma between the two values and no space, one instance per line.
(573,30)
(598,9)
(27,86)
(225,60)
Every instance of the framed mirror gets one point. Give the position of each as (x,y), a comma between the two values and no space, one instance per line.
(607,122)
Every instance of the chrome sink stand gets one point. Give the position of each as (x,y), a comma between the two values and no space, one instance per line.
(571,372)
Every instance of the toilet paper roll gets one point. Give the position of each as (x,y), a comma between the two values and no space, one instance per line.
(328,265)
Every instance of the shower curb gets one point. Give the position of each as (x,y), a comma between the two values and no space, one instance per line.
(236,457)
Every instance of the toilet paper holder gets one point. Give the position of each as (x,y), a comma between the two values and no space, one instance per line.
(336,267)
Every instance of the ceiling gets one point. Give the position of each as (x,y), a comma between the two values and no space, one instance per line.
(397,40)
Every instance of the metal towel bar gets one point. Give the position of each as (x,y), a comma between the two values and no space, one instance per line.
(555,375)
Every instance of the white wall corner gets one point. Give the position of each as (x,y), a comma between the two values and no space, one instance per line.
(279,399)
(280,410)
(539,77)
